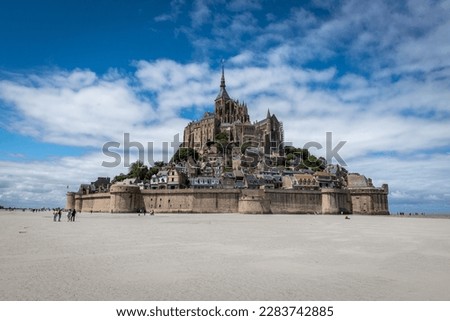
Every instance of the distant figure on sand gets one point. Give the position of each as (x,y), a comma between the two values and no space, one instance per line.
(59,215)
(152,212)
(54,215)
(71,215)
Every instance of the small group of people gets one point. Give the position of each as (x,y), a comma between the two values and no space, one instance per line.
(144,211)
(71,215)
(57,214)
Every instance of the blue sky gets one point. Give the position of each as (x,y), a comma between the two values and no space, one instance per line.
(77,74)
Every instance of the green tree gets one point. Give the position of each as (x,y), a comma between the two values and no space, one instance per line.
(119,178)
(302,158)
(152,171)
(222,137)
(221,141)
(157,166)
(137,170)
(244,147)
(289,150)
(182,154)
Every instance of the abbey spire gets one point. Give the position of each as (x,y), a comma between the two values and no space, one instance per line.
(223,92)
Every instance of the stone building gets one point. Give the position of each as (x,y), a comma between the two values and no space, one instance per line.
(300,181)
(176,178)
(231,118)
(366,198)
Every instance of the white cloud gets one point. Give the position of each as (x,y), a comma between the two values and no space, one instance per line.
(176,86)
(44,183)
(75,108)
(175,6)
(242,5)
(245,57)
(417,183)
(200,13)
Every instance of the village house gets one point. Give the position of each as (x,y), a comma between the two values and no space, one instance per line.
(176,178)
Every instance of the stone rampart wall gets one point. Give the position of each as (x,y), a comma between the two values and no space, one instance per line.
(98,202)
(216,201)
(369,201)
(254,202)
(191,201)
(336,201)
(294,201)
(168,201)
(125,199)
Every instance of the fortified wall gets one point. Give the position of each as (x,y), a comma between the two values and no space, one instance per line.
(130,199)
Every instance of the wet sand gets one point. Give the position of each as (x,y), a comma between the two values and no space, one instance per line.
(223,257)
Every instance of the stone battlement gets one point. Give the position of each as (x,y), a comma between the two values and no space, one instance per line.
(130,199)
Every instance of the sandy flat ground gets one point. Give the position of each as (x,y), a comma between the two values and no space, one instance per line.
(223,257)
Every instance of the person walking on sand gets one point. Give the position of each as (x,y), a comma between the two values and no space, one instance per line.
(54,215)
(73,215)
(59,215)
(69,215)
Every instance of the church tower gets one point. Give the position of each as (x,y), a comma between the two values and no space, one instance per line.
(223,95)
(228,111)
(222,102)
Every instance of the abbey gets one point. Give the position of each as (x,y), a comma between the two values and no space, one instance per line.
(228,164)
(231,119)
